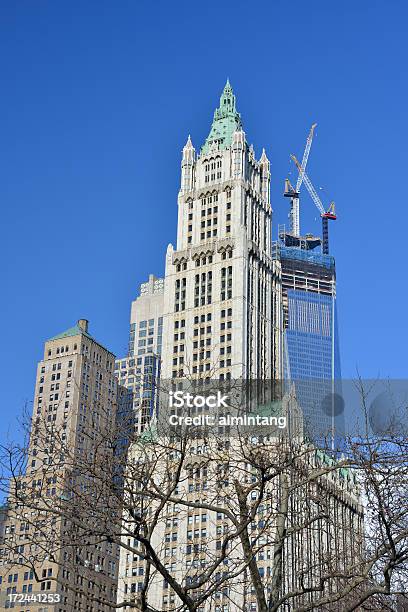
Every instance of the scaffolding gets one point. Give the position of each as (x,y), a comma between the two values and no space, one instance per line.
(301,252)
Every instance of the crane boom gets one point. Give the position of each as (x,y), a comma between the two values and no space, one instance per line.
(310,187)
(325,215)
(305,158)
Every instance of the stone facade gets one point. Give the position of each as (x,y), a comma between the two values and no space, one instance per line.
(325,534)
(139,371)
(75,399)
(220,278)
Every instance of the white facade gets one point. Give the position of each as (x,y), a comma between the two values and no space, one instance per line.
(220,277)
(146,318)
(140,369)
(188,536)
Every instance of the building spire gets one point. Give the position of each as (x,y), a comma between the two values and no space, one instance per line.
(227,99)
(226,121)
(187,164)
(227,87)
(188,149)
(263,159)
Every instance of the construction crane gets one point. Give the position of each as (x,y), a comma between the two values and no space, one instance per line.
(293,193)
(326,215)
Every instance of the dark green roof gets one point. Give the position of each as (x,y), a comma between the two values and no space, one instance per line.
(274,408)
(72,331)
(148,435)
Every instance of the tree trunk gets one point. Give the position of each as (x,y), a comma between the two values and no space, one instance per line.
(276,581)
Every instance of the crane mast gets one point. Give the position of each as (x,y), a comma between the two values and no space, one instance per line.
(293,193)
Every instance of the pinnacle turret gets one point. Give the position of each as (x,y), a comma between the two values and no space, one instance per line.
(187,164)
(263,159)
(188,151)
(189,144)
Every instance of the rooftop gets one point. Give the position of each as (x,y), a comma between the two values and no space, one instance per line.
(81,327)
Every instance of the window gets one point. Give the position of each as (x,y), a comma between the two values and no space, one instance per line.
(46,586)
(226,283)
(203,289)
(180,294)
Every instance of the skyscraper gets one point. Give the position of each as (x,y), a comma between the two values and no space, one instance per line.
(139,371)
(146,319)
(220,278)
(74,413)
(223,318)
(310,347)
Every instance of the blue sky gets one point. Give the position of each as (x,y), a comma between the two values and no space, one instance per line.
(97,100)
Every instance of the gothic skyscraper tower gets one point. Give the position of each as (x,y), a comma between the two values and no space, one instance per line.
(220,279)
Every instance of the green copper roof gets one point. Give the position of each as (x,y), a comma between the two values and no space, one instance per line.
(226,121)
(148,435)
(274,408)
(72,331)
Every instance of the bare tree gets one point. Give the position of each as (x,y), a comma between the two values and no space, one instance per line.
(207,517)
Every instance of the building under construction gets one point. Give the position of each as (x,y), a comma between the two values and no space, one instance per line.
(311,358)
